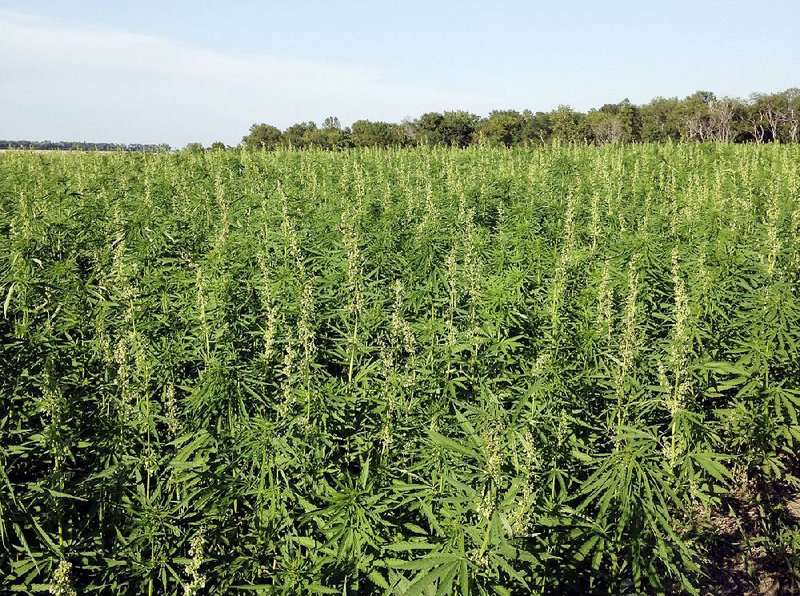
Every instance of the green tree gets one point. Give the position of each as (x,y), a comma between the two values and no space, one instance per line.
(696,116)
(537,128)
(502,127)
(606,127)
(262,136)
(299,135)
(569,125)
(377,134)
(428,129)
(793,114)
(615,123)
(777,114)
(329,136)
(331,123)
(661,120)
(194,148)
(630,119)
(457,128)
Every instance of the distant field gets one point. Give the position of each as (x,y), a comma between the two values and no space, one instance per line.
(422,371)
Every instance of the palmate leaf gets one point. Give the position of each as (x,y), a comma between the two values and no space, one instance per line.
(409,546)
(711,463)
(427,562)
(451,445)
(439,573)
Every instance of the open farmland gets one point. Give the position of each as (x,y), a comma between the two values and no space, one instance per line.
(419,371)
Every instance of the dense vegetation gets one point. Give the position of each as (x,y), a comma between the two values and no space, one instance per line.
(80,146)
(420,371)
(762,118)
(700,117)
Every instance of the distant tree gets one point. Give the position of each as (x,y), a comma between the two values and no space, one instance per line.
(502,127)
(793,114)
(409,128)
(605,126)
(700,116)
(262,136)
(428,128)
(82,146)
(377,134)
(537,128)
(773,112)
(457,128)
(724,114)
(615,122)
(756,127)
(661,120)
(194,148)
(569,125)
(299,135)
(218,145)
(331,123)
(630,118)
(705,97)
(698,125)
(329,136)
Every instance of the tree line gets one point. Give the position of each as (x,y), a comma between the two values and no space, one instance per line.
(761,118)
(80,146)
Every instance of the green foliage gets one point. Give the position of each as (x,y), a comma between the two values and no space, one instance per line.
(568,369)
(194,148)
(570,125)
(428,128)
(701,117)
(661,120)
(262,136)
(502,127)
(377,134)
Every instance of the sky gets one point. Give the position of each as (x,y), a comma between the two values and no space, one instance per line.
(176,71)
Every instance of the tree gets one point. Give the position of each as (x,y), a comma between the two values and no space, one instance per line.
(194,148)
(299,135)
(661,120)
(630,120)
(454,128)
(569,125)
(502,127)
(262,136)
(330,136)
(696,116)
(537,128)
(428,129)
(724,114)
(777,114)
(457,128)
(768,113)
(218,145)
(377,134)
(331,123)
(409,128)
(615,122)
(755,123)
(605,126)
(793,114)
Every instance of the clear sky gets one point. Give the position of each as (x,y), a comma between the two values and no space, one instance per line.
(179,71)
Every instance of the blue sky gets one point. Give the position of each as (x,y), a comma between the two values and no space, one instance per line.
(179,71)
